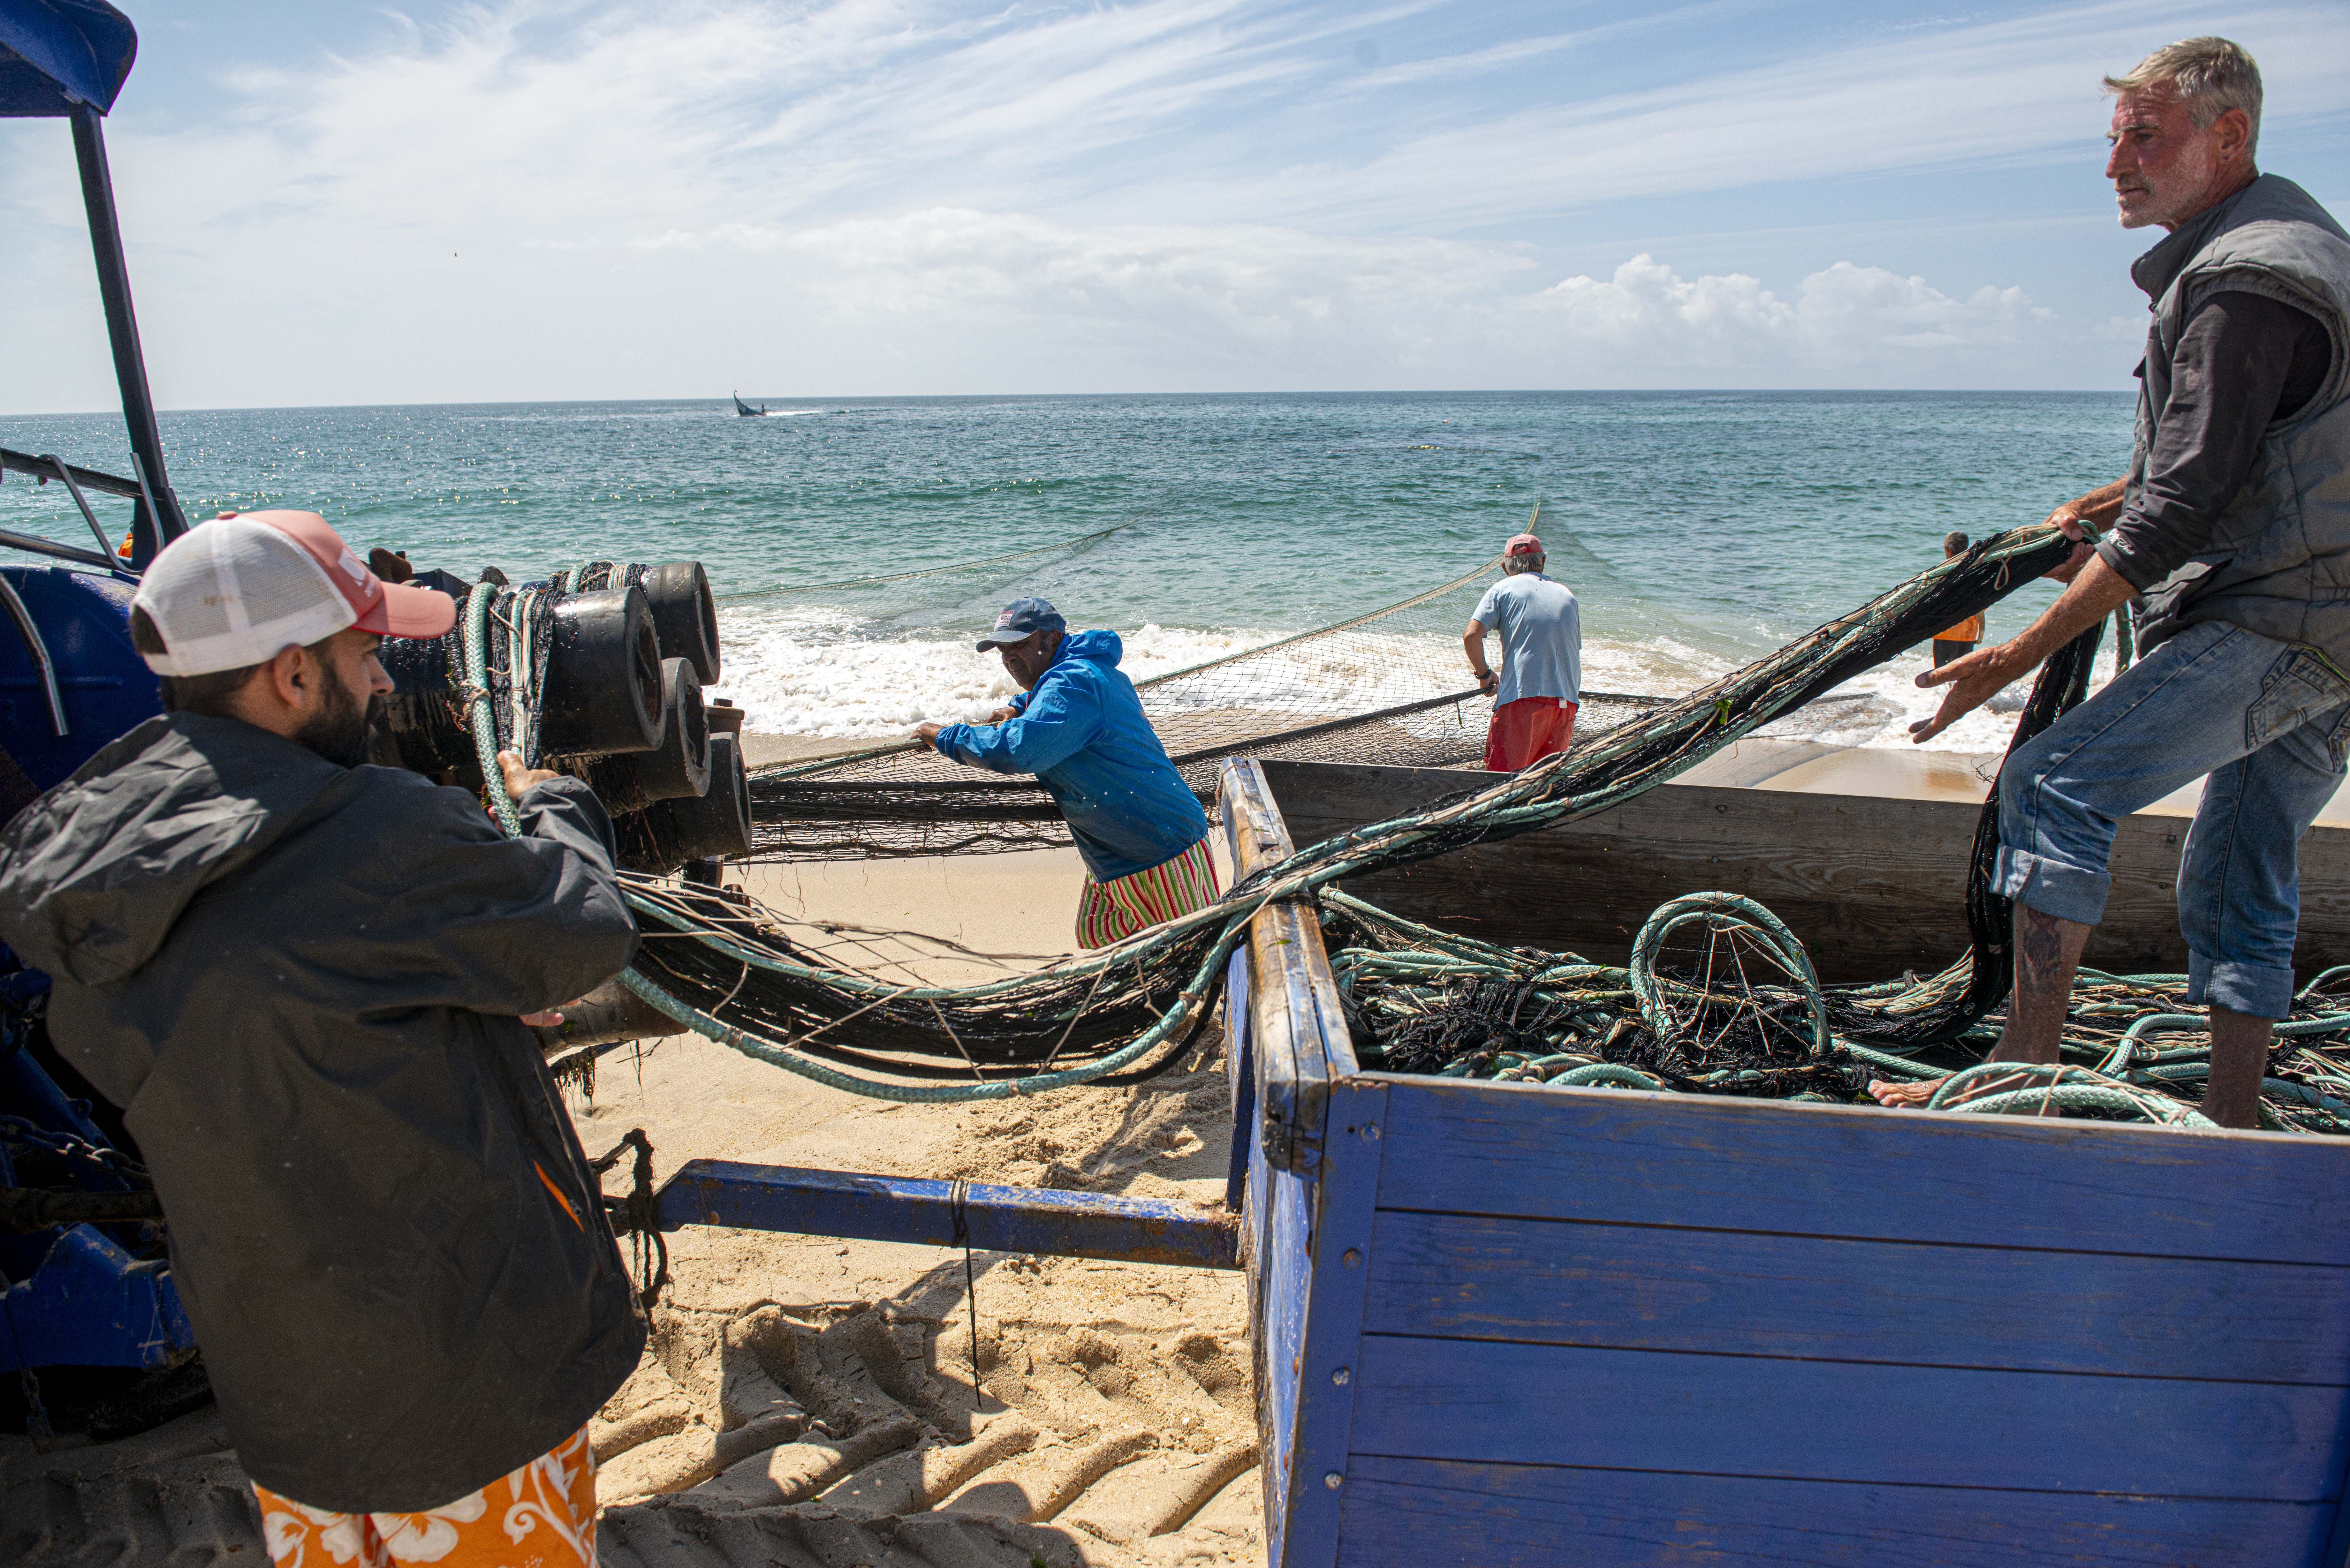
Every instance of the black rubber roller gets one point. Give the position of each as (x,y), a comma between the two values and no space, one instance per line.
(419,724)
(667,833)
(685,615)
(603,689)
(679,768)
(718,823)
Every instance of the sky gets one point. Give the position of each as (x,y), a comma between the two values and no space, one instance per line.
(522,199)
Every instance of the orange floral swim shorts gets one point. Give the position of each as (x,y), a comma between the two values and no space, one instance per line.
(541,1516)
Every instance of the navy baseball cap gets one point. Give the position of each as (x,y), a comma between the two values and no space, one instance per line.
(1020,619)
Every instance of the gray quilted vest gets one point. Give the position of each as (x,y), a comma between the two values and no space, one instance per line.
(2278,558)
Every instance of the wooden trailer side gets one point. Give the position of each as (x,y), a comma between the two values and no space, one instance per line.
(1307,1129)
(1604,1327)
(1874,886)
(1666,1328)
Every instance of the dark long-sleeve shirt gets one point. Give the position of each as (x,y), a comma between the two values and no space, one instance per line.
(2243,362)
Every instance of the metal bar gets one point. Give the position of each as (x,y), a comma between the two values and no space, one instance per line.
(122,332)
(1034,1219)
(105,541)
(40,652)
(37,545)
(142,516)
(88,478)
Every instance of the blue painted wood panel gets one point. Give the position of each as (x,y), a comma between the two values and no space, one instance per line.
(1286,1203)
(1995,1182)
(1418,1513)
(1343,1249)
(1827,1420)
(1647,1287)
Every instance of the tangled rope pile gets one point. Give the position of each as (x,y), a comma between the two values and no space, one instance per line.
(730,974)
(1421,1000)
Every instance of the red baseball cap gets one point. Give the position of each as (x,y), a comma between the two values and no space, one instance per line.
(1524,545)
(235,590)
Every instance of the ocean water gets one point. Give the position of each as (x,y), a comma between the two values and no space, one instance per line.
(1698,529)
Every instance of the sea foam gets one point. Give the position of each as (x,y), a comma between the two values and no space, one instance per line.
(811,671)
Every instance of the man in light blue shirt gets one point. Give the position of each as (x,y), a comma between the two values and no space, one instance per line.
(1540,679)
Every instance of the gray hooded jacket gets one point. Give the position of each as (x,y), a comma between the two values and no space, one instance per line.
(2277,561)
(300,982)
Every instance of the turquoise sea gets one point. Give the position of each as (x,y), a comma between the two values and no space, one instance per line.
(1698,529)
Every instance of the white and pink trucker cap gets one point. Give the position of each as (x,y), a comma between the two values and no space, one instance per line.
(238,589)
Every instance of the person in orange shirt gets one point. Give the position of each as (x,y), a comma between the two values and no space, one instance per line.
(1959,641)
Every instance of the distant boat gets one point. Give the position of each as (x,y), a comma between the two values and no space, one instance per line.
(745,409)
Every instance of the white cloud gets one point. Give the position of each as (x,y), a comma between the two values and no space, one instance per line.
(580,198)
(1255,307)
(1927,99)
(1844,316)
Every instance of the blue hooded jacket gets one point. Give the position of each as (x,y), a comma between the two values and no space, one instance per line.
(1082,733)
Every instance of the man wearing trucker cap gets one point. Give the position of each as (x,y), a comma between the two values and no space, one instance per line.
(302,978)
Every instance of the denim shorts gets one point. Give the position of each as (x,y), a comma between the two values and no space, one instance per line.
(2264,722)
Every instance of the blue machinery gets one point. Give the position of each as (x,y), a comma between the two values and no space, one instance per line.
(82,1277)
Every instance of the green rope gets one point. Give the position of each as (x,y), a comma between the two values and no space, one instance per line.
(1722,913)
(1192,1001)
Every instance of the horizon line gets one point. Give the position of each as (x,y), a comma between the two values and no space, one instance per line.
(1007,397)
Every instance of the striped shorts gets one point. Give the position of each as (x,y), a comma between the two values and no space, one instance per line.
(1113,910)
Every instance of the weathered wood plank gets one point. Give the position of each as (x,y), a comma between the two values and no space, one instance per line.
(1438,1515)
(1292,1070)
(1872,885)
(1484,1401)
(1650,1288)
(1637,1159)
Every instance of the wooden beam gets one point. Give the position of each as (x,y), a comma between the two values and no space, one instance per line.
(1874,886)
(1293,1068)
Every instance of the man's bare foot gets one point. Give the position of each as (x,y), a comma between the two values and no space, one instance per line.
(1902,1096)
(1915,1095)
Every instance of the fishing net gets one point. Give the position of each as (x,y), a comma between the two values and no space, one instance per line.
(1717,996)
(1707,1017)
(1387,687)
(747,977)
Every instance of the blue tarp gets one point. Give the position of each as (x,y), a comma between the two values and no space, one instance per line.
(55,53)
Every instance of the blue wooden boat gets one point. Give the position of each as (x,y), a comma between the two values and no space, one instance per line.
(1500,1323)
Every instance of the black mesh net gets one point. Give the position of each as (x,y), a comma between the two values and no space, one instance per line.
(1390,687)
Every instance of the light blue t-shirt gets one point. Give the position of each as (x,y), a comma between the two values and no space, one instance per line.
(1542,638)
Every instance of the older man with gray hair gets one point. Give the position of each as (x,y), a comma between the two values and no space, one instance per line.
(2232,531)
(1540,679)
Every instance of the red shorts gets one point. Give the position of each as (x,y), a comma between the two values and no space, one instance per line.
(1526,732)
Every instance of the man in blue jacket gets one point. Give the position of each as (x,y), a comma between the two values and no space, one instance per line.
(1078,726)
